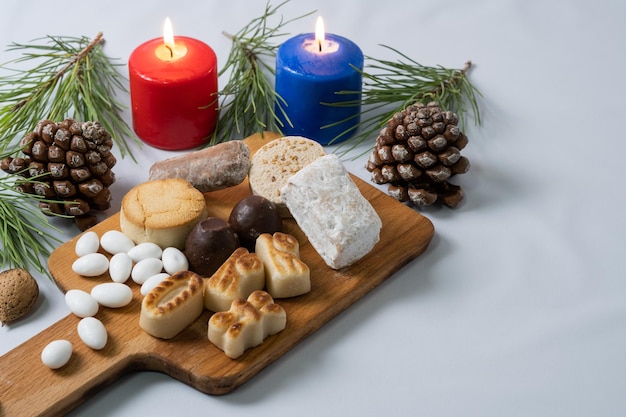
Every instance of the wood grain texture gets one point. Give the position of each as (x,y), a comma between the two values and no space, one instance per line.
(27,387)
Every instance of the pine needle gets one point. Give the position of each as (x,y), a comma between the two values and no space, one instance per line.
(390,86)
(25,233)
(69,77)
(54,78)
(248,101)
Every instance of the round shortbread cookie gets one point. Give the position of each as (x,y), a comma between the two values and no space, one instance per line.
(275,162)
(162,212)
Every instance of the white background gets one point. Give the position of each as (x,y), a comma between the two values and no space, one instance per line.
(518,307)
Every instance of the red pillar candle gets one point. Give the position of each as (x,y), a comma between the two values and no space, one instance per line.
(173,91)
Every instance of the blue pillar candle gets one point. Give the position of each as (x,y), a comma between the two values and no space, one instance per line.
(309,72)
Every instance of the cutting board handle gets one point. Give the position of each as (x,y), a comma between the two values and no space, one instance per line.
(29,388)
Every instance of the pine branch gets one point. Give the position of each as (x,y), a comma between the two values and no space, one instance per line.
(70,78)
(390,86)
(25,232)
(248,101)
(53,80)
(63,77)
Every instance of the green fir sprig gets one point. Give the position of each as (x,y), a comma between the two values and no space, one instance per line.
(55,77)
(390,86)
(26,236)
(248,101)
(69,77)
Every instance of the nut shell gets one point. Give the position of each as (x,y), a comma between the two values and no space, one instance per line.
(18,294)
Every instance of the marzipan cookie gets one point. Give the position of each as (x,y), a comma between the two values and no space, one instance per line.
(172,305)
(246,324)
(285,274)
(238,277)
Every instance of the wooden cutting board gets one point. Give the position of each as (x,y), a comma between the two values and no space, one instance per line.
(27,387)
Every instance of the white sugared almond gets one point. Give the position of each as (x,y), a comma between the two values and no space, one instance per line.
(112,294)
(91,265)
(89,242)
(145,250)
(56,353)
(92,332)
(81,303)
(120,267)
(144,269)
(174,260)
(114,241)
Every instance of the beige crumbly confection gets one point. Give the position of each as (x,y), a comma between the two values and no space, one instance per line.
(276,161)
(246,324)
(285,274)
(162,212)
(238,277)
(339,222)
(172,305)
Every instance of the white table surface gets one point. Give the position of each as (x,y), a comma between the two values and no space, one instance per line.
(518,307)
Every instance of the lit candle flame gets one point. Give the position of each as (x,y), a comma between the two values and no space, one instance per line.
(319,32)
(168,36)
(171,49)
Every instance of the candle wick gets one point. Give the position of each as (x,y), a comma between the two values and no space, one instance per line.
(169,48)
(319,44)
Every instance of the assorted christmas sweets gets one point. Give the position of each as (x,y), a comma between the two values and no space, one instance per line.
(70,165)
(417,152)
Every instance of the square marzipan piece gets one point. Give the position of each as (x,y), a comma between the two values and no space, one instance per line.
(340,223)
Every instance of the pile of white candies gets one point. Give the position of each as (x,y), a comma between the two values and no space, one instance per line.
(146,264)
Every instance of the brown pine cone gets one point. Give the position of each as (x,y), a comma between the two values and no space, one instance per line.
(417,153)
(72,163)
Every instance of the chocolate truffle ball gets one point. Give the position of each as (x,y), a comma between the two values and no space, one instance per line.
(252,216)
(209,244)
